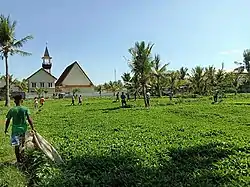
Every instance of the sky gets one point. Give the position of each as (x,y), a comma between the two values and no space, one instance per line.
(98,33)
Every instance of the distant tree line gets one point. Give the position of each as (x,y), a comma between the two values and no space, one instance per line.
(149,74)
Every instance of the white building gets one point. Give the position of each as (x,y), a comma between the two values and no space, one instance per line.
(74,77)
(43,77)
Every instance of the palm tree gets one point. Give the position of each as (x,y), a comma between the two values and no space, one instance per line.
(39,91)
(245,65)
(159,72)
(209,79)
(197,79)
(220,77)
(23,85)
(75,90)
(115,86)
(141,64)
(9,46)
(99,89)
(234,80)
(173,80)
(126,77)
(183,73)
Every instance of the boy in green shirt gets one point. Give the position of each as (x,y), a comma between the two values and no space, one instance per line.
(19,115)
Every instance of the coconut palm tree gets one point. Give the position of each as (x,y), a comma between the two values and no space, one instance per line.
(209,79)
(197,79)
(159,72)
(9,46)
(245,65)
(173,80)
(75,90)
(183,73)
(39,92)
(141,64)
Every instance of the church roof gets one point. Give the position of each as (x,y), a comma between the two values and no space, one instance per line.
(66,72)
(46,52)
(41,69)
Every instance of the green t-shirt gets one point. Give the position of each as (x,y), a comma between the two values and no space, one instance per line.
(19,116)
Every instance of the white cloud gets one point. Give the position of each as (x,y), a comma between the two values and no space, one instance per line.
(229,52)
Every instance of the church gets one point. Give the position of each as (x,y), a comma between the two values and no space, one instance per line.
(73,77)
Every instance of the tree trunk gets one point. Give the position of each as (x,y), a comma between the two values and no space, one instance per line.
(7,82)
(158,86)
(144,95)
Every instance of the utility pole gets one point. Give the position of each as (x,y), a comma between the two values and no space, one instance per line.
(115,74)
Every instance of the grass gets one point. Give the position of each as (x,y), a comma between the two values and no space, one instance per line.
(189,142)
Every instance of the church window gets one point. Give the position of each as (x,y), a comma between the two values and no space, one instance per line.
(33,84)
(41,84)
(50,84)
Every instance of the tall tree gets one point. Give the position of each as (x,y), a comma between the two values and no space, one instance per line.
(141,64)
(233,80)
(173,80)
(245,65)
(9,45)
(127,79)
(183,73)
(209,79)
(197,79)
(159,72)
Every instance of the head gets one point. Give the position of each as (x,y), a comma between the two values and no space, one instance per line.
(122,93)
(18,99)
(80,95)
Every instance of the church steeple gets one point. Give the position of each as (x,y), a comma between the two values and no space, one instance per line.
(47,60)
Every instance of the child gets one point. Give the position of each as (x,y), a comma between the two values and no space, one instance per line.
(42,100)
(80,100)
(19,115)
(148,99)
(123,98)
(36,102)
(73,100)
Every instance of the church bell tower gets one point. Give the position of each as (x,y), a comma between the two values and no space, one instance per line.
(47,65)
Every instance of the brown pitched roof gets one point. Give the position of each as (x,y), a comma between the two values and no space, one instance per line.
(41,69)
(66,72)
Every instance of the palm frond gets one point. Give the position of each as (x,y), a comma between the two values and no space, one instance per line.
(22,53)
(20,43)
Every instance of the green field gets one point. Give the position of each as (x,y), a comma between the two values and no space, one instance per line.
(189,142)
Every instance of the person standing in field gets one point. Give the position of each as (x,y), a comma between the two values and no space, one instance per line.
(42,100)
(36,103)
(80,100)
(19,114)
(216,93)
(128,96)
(148,99)
(123,98)
(117,96)
(73,100)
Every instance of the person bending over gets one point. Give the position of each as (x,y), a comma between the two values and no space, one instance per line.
(19,115)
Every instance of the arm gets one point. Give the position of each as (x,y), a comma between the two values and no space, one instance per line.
(30,120)
(7,123)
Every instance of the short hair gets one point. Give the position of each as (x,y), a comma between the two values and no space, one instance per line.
(18,97)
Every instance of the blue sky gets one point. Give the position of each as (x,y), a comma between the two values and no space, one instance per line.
(98,33)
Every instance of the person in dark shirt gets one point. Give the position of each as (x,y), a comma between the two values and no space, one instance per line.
(117,96)
(80,100)
(123,98)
